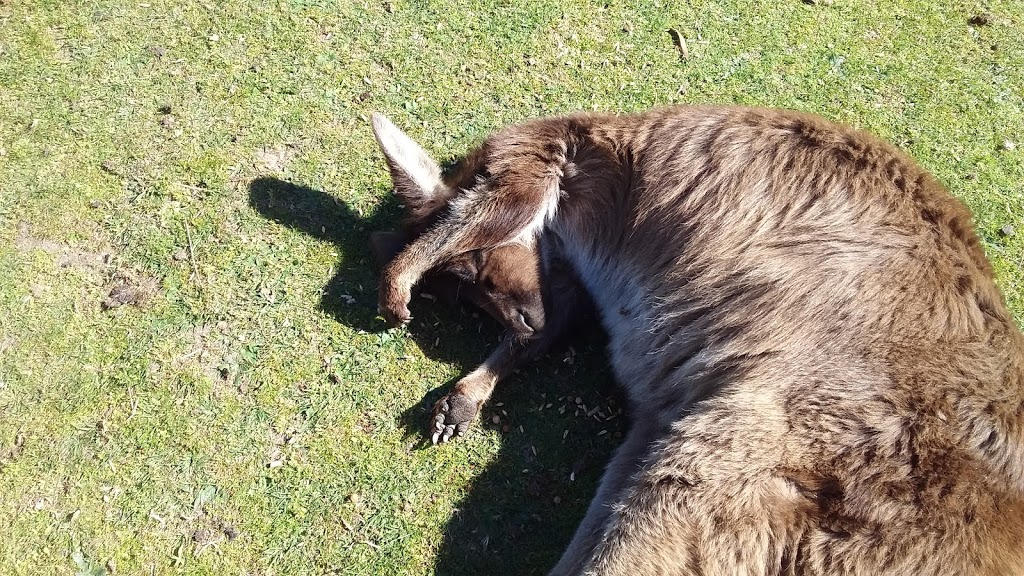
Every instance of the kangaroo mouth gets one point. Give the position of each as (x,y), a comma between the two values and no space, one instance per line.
(517,327)
(520,337)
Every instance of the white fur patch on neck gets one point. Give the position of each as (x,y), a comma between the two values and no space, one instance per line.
(545,212)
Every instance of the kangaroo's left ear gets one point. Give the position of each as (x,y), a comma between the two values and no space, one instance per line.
(416,176)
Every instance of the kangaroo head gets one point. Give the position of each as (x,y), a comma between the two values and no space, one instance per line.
(504,281)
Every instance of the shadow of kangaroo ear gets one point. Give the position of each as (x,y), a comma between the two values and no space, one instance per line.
(316,213)
(350,296)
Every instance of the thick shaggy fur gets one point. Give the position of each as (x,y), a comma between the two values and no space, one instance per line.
(823,377)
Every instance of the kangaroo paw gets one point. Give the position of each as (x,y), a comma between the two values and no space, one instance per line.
(393,307)
(452,416)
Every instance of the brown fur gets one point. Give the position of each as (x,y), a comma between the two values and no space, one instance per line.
(823,377)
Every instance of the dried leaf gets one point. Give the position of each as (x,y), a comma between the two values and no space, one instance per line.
(680,42)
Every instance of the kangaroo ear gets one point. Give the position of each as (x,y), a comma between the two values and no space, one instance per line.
(416,176)
(465,267)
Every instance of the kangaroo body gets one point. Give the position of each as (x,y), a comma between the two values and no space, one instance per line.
(822,375)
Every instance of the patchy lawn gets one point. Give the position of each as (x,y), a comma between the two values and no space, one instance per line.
(193,378)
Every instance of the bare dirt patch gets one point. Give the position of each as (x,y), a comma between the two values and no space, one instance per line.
(127,287)
(283,445)
(209,349)
(211,532)
(275,158)
(367,423)
(66,256)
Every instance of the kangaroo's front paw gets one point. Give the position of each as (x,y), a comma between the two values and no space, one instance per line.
(393,305)
(452,416)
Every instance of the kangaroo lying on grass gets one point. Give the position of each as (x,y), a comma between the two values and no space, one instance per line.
(822,375)
(538,304)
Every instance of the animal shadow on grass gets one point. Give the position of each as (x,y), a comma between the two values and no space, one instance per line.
(559,418)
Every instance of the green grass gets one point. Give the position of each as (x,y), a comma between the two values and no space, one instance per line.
(220,153)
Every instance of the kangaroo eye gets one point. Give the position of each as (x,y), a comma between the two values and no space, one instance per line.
(488,284)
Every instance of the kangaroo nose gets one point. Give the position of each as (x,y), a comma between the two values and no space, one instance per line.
(524,324)
(530,321)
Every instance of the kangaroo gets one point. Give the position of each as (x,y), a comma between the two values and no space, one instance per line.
(539,305)
(821,374)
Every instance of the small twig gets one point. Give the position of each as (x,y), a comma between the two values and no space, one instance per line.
(191,250)
(134,403)
(190,355)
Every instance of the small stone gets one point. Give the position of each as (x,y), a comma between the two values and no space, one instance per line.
(557,499)
(167,121)
(1007,230)
(179,254)
(94,204)
(276,460)
(496,419)
(1009,145)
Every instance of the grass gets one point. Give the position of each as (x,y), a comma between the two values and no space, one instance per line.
(246,412)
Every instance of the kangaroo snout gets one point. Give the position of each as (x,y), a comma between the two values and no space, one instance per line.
(528,321)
